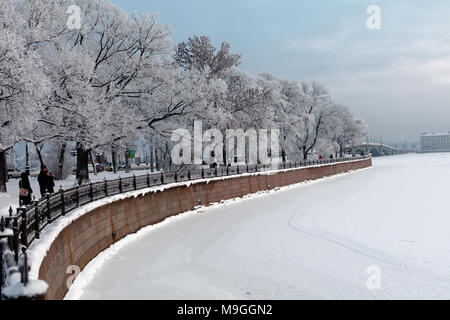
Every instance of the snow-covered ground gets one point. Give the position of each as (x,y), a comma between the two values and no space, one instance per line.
(323,239)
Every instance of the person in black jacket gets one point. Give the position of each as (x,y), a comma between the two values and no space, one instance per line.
(25,190)
(50,182)
(43,181)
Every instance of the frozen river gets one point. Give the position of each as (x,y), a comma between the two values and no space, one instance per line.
(382,232)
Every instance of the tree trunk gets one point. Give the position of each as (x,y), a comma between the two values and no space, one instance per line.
(62,151)
(341,151)
(114,158)
(283,155)
(127,160)
(305,153)
(156,160)
(224,152)
(151,159)
(92,162)
(39,153)
(3,172)
(169,161)
(82,164)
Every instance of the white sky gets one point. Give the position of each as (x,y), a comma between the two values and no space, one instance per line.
(396,78)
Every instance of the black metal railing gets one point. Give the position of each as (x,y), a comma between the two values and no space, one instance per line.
(29,222)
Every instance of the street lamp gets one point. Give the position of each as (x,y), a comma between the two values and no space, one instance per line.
(27,159)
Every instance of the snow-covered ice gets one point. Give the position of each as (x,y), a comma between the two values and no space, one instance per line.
(313,240)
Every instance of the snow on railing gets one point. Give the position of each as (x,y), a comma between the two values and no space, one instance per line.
(18,231)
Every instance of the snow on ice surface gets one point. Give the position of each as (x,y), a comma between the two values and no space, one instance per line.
(313,240)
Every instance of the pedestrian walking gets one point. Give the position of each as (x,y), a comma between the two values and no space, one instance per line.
(50,182)
(43,181)
(25,190)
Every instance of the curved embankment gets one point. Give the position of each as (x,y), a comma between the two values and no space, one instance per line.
(96,230)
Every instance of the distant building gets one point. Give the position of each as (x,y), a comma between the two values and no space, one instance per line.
(435,142)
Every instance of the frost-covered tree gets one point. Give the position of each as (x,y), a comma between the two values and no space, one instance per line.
(346,128)
(288,112)
(23,86)
(199,53)
(99,73)
(313,121)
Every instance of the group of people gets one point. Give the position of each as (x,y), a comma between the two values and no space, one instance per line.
(46,182)
(321,157)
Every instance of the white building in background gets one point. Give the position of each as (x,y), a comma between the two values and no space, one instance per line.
(435,142)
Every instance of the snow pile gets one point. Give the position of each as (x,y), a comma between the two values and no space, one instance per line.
(32,289)
(13,287)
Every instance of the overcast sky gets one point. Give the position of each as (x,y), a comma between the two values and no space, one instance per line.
(396,78)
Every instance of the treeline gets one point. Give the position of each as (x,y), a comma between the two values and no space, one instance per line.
(119,78)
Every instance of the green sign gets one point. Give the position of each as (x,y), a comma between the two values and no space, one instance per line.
(132,154)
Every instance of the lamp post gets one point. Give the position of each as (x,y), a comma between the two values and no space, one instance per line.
(27,159)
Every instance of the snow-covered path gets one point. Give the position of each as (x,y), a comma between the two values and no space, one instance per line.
(315,240)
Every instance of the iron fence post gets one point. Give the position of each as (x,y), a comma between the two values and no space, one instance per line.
(49,213)
(23,231)
(189,174)
(148,180)
(162,178)
(106,187)
(91,192)
(16,238)
(203,173)
(63,202)
(24,268)
(175,177)
(77,196)
(134,182)
(120,185)
(37,220)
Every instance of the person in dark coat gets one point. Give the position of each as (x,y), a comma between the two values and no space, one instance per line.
(43,181)
(50,182)
(25,190)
